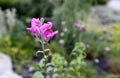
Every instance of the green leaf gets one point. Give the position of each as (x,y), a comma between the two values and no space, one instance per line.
(39,52)
(50,64)
(50,68)
(71,68)
(42,63)
(79,50)
(47,50)
(38,75)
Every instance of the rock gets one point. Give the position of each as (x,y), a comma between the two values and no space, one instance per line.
(114,5)
(101,15)
(107,14)
(6,67)
(5,63)
(9,74)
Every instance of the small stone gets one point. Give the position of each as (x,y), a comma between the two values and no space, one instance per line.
(104,30)
(100,38)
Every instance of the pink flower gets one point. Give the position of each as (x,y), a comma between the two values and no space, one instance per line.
(35,22)
(46,31)
(35,27)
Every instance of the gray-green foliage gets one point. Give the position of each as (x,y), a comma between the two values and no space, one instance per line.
(7,3)
(34,8)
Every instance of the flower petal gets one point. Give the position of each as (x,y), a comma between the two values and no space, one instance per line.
(46,26)
(35,22)
(29,29)
(52,34)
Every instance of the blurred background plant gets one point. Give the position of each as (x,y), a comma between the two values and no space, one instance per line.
(14,40)
(90,22)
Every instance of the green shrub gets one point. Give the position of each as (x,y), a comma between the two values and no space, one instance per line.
(7,3)
(34,8)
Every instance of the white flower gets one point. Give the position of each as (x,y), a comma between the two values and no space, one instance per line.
(96,60)
(65,30)
(61,41)
(62,34)
(63,23)
(107,49)
(87,46)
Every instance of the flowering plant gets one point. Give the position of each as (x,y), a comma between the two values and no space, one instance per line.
(43,32)
(63,68)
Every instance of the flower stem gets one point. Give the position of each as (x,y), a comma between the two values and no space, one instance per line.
(44,56)
(43,48)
